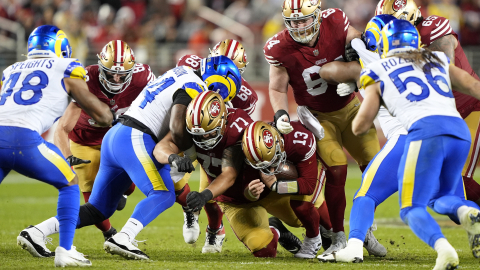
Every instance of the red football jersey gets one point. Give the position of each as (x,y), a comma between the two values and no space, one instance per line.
(435,27)
(303,63)
(246,98)
(86,131)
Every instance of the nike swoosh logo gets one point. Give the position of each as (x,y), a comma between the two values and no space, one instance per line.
(437,24)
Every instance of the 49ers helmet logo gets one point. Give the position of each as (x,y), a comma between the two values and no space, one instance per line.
(215,108)
(267,138)
(399,4)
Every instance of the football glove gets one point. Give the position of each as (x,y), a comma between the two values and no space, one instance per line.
(350,53)
(282,122)
(72,160)
(183,164)
(345,89)
(196,201)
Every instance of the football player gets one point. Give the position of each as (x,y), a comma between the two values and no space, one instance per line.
(127,150)
(434,152)
(437,35)
(296,55)
(245,99)
(116,80)
(35,93)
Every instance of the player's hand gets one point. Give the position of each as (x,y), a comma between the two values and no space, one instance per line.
(255,188)
(183,164)
(282,122)
(345,89)
(350,53)
(196,201)
(77,161)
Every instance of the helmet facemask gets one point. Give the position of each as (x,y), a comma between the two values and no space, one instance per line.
(114,87)
(210,142)
(307,33)
(276,163)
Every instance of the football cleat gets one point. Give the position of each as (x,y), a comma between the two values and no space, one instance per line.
(471,223)
(372,245)
(111,232)
(447,259)
(191,229)
(214,240)
(70,257)
(326,237)
(122,203)
(339,241)
(120,244)
(350,254)
(310,247)
(286,239)
(34,241)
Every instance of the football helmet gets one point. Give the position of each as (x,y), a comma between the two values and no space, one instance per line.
(263,148)
(302,10)
(206,119)
(400,9)
(48,41)
(116,59)
(233,50)
(222,76)
(372,35)
(398,36)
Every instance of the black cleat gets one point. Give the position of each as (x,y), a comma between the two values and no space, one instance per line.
(120,244)
(33,240)
(286,239)
(111,232)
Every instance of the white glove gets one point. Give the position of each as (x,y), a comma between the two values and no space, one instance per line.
(345,89)
(310,122)
(282,121)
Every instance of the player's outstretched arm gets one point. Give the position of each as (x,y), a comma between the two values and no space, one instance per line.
(166,152)
(66,124)
(99,111)
(463,82)
(363,121)
(341,72)
(446,44)
(351,34)
(277,90)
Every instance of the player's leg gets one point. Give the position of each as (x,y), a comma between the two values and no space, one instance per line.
(136,156)
(472,187)
(215,235)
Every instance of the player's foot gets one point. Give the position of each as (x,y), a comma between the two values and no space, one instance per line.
(191,229)
(372,245)
(120,244)
(309,248)
(471,223)
(286,239)
(447,258)
(474,241)
(34,241)
(214,240)
(339,241)
(70,257)
(353,252)
(121,204)
(326,237)
(111,232)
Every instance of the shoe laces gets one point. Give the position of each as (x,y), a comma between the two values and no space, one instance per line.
(309,244)
(212,235)
(135,242)
(47,240)
(190,217)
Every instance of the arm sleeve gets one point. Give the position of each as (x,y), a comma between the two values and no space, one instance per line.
(181,97)
(307,176)
(75,70)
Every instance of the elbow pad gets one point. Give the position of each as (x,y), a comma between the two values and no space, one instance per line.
(285,187)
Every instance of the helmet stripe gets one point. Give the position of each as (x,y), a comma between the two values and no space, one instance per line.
(250,147)
(122,52)
(197,108)
(232,48)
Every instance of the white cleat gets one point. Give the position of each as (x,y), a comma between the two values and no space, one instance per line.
(120,244)
(372,245)
(309,248)
(214,240)
(70,257)
(34,241)
(191,229)
(339,241)
(349,254)
(447,259)
(471,223)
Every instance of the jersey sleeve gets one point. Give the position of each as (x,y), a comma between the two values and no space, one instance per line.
(150,76)
(237,121)
(190,60)
(301,143)
(307,175)
(433,28)
(336,20)
(273,51)
(368,77)
(75,70)
(246,99)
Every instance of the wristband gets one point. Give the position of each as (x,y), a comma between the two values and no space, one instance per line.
(207,195)
(279,114)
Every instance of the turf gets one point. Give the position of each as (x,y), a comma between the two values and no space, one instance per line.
(24,201)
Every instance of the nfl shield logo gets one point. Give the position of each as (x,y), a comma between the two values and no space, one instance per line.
(112,101)
(315,52)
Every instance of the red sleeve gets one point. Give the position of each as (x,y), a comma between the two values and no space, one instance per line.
(307,176)
(237,122)
(274,49)
(246,99)
(142,75)
(336,20)
(299,144)
(190,60)
(433,28)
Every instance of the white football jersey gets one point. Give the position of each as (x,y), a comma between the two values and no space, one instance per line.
(411,93)
(153,105)
(33,95)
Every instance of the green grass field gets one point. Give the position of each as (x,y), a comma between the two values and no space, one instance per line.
(24,201)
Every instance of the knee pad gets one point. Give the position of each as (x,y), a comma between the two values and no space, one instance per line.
(89,215)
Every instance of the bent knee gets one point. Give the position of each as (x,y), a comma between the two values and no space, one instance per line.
(257,239)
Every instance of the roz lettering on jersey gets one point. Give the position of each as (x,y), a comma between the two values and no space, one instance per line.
(268,138)
(215,108)
(399,4)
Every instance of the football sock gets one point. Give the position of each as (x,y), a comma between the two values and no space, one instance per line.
(151,207)
(132,228)
(67,214)
(130,190)
(472,188)
(355,243)
(49,226)
(422,224)
(308,215)
(335,195)
(324,216)
(214,214)
(182,196)
(270,251)
(361,217)
(102,226)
